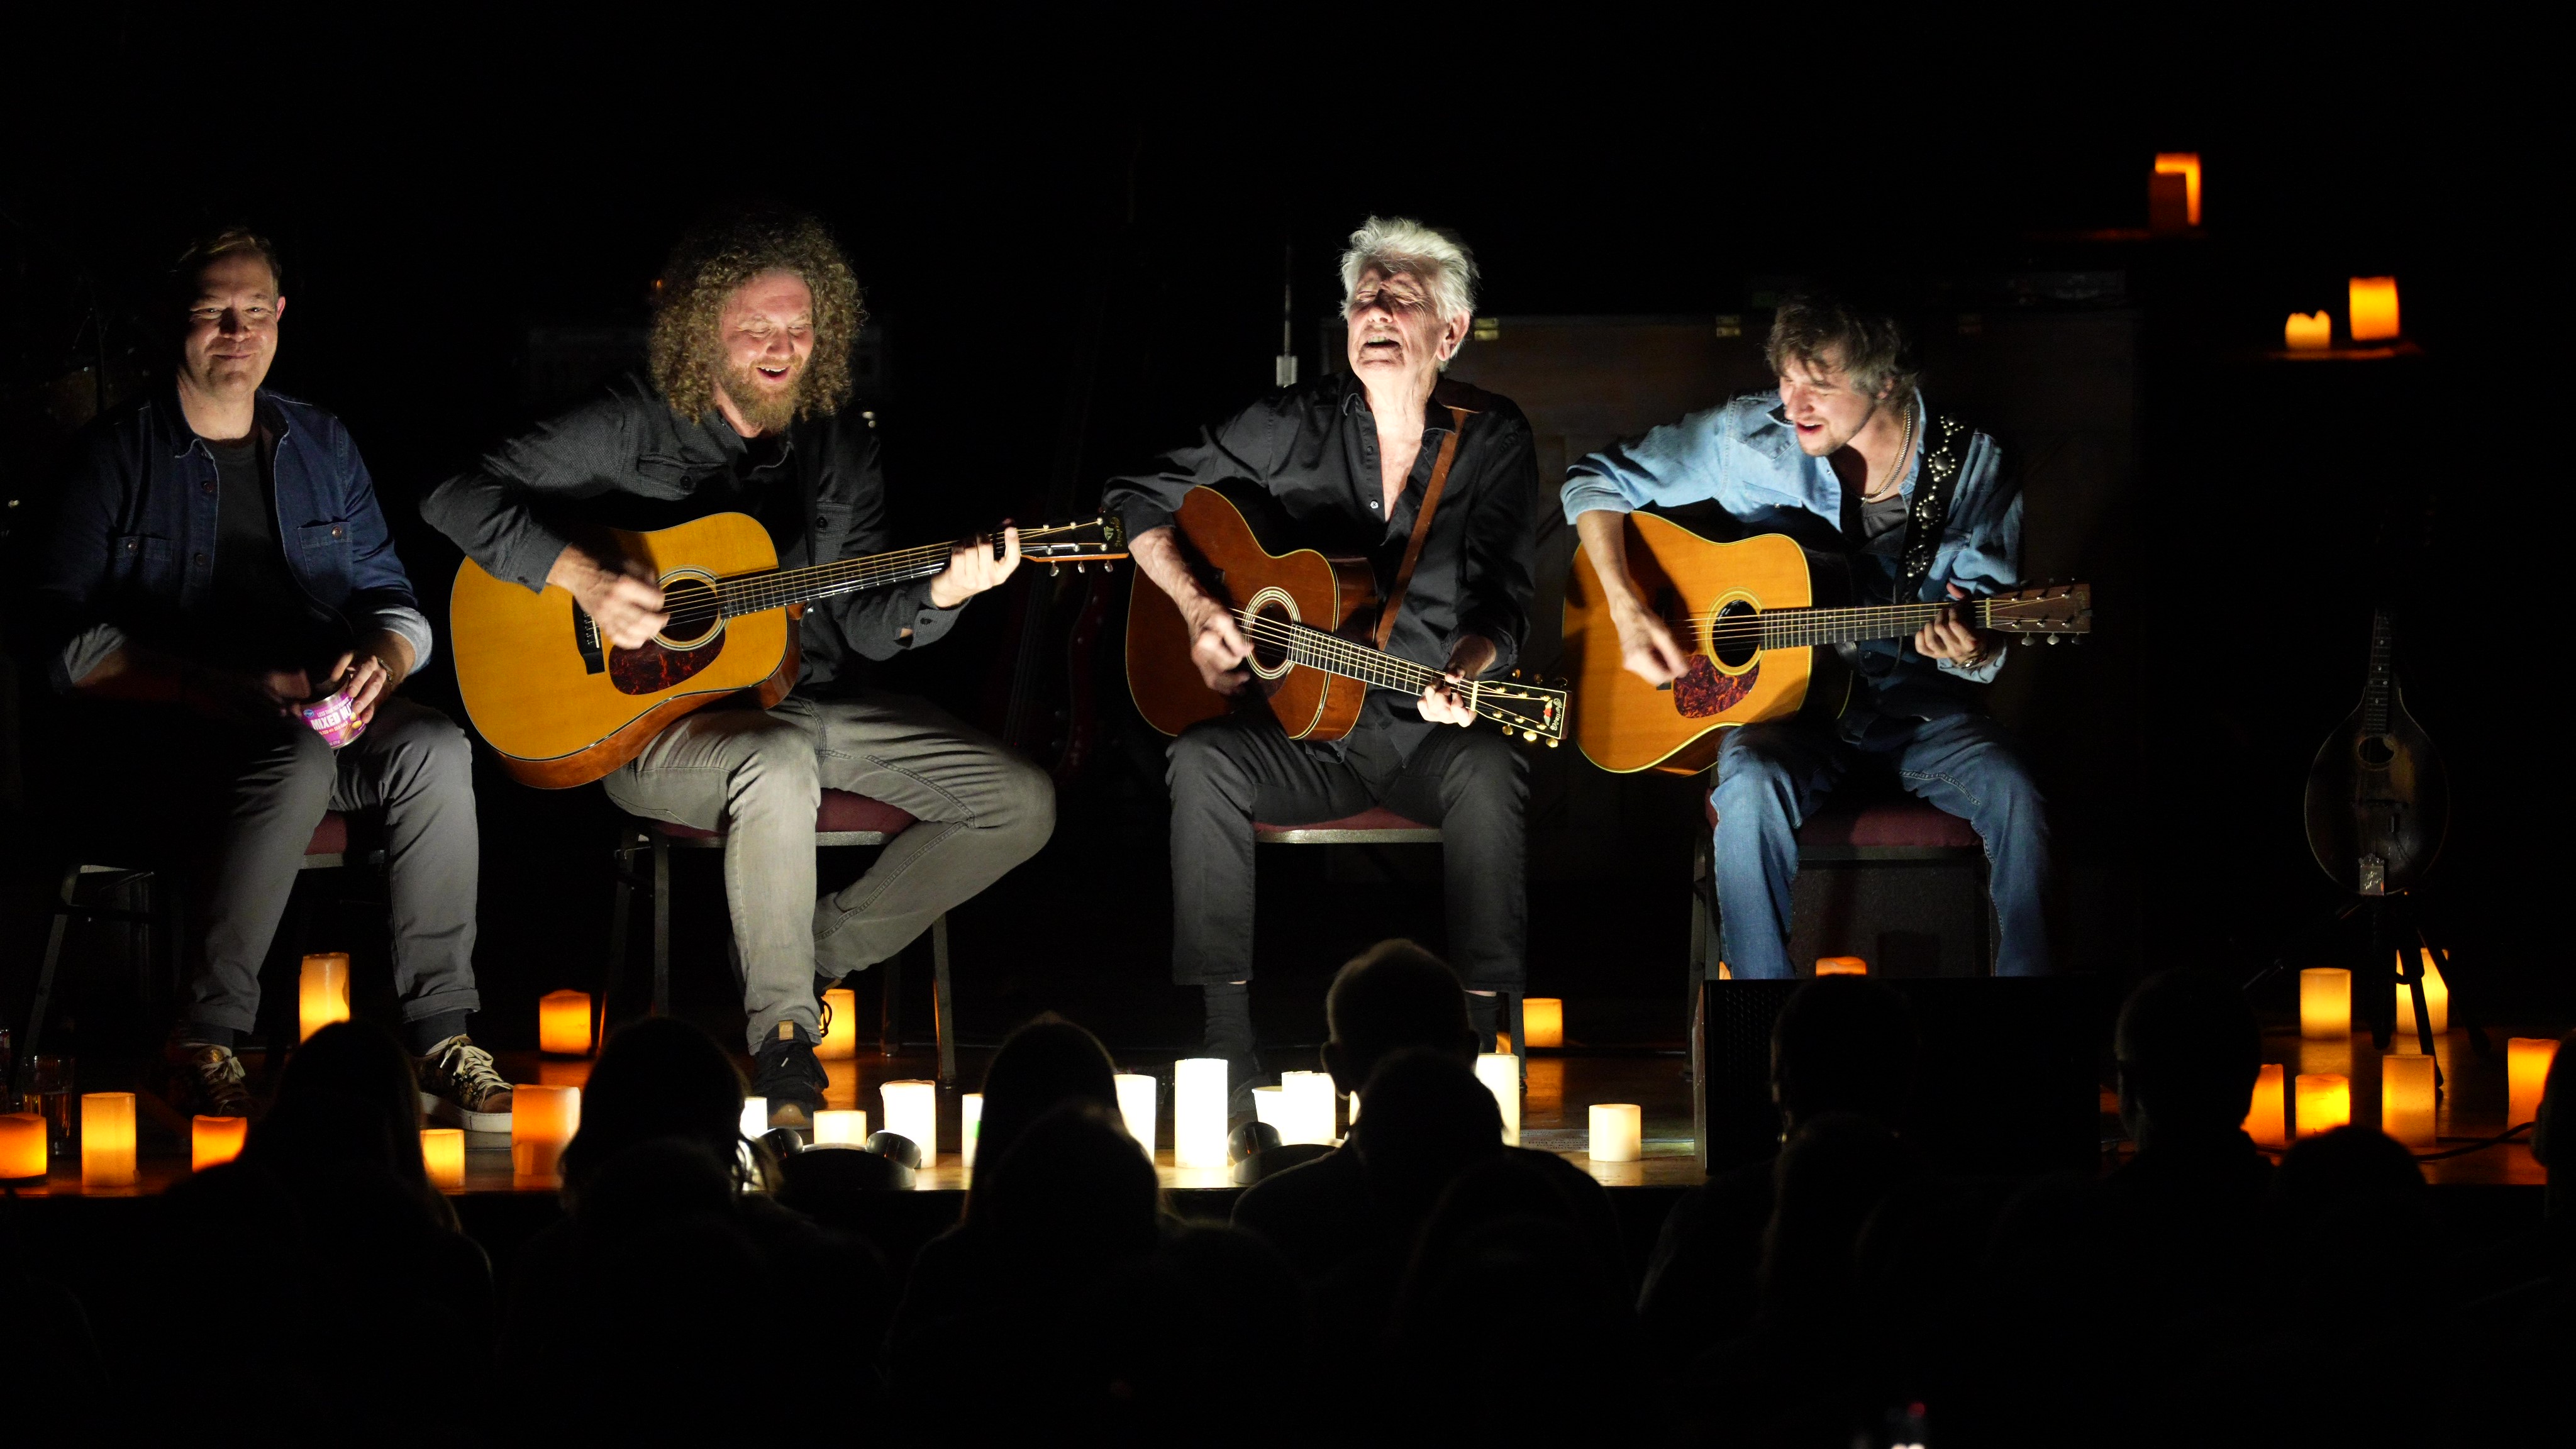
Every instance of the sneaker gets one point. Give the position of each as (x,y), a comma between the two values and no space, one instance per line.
(459,1088)
(785,1071)
(198,1080)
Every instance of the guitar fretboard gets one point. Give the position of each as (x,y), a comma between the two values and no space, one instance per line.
(2376,690)
(1804,628)
(1304,644)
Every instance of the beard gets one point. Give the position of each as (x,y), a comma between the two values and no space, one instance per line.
(765,407)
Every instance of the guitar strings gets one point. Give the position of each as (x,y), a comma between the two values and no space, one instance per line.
(1336,655)
(756,593)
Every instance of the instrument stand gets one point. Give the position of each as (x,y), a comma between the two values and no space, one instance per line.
(2398,945)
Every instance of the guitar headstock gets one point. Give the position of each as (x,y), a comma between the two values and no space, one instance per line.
(1526,707)
(1101,540)
(2050,611)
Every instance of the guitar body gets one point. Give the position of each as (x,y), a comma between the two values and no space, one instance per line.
(2378,799)
(1626,724)
(562,709)
(1303,585)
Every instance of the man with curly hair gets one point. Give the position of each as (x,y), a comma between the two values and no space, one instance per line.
(740,410)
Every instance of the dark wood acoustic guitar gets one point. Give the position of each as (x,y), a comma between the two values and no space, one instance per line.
(1305,615)
(2378,801)
(563,707)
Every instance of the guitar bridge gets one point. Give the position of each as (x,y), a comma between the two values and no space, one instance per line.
(585,638)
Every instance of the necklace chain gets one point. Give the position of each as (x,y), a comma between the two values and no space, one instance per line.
(1896,474)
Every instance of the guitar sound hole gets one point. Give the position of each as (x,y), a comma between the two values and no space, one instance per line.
(1734,636)
(694,611)
(2376,751)
(1270,644)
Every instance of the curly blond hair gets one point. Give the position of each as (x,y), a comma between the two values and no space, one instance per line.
(686,354)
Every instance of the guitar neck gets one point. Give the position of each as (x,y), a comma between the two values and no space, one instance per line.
(2377,689)
(1802,628)
(1306,645)
(780,588)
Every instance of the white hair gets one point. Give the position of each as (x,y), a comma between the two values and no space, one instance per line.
(1401,246)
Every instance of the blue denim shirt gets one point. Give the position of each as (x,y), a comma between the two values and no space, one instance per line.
(132,547)
(1745,457)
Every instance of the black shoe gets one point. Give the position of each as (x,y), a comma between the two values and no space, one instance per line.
(1229,1035)
(784,1071)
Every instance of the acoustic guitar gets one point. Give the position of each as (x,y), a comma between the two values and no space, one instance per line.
(1749,616)
(2378,799)
(1305,615)
(563,707)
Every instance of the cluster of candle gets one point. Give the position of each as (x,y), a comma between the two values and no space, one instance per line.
(2372,307)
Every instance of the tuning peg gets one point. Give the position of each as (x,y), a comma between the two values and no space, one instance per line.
(1552,742)
(1529,734)
(2053,638)
(1054,569)
(1077,566)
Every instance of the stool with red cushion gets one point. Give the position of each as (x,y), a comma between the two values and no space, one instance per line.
(1376,825)
(327,850)
(843,819)
(1845,848)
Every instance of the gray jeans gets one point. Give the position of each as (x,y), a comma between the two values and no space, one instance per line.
(758,775)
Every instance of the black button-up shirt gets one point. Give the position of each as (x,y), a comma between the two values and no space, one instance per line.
(625,460)
(1313,448)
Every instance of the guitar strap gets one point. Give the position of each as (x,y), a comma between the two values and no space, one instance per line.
(1945,449)
(1422,521)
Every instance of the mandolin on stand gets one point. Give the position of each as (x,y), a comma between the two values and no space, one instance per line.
(2378,800)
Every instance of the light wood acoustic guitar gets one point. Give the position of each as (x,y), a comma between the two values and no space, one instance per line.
(563,707)
(1748,616)
(1305,615)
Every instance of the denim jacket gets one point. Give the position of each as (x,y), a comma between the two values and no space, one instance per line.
(1744,456)
(132,546)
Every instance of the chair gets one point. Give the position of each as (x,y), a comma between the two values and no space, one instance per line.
(843,819)
(329,849)
(1840,848)
(1377,826)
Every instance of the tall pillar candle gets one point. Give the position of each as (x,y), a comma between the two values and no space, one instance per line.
(2266,1116)
(2526,1074)
(1618,1132)
(2325,1003)
(2406,1099)
(563,1023)
(1502,1076)
(322,992)
(912,1110)
(970,1125)
(1198,1112)
(22,1145)
(442,1156)
(1136,1105)
(1310,1108)
(542,1121)
(840,1034)
(107,1139)
(2325,1102)
(1543,1018)
(214,1141)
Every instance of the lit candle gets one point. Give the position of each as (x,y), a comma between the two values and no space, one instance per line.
(1309,1106)
(1543,1018)
(2325,1102)
(1618,1132)
(754,1122)
(1502,1076)
(2308,332)
(2374,309)
(563,1023)
(970,1126)
(1198,1112)
(2325,1003)
(107,1139)
(1270,1108)
(542,1120)
(22,1144)
(442,1156)
(213,1141)
(2526,1073)
(837,1125)
(2406,1099)
(1136,1104)
(323,994)
(1841,966)
(912,1110)
(840,1034)
(2437,1006)
(2185,164)
(2266,1121)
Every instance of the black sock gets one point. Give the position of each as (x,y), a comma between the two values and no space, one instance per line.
(199,1033)
(1229,1019)
(429,1031)
(1482,1013)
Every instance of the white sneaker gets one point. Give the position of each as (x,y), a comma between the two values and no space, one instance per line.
(459,1088)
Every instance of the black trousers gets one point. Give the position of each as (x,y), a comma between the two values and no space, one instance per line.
(1226,773)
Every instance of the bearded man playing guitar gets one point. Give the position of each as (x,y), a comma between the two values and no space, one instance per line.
(1846,457)
(1350,459)
(740,409)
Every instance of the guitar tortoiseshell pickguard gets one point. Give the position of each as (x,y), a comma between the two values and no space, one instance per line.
(1702,691)
(653,668)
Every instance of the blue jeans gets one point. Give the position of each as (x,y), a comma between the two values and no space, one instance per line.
(1771,777)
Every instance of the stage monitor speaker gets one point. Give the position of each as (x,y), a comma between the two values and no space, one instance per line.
(2007,1080)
